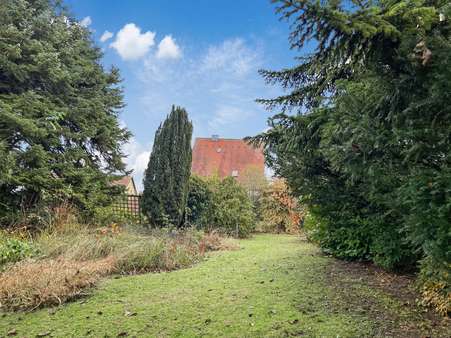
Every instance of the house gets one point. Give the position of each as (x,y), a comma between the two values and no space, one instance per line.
(129,204)
(128,183)
(225,157)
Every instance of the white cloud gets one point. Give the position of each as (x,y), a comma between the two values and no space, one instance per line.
(131,44)
(227,115)
(217,85)
(231,56)
(106,36)
(85,22)
(168,49)
(136,160)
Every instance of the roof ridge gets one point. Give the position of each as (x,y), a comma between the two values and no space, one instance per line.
(219,138)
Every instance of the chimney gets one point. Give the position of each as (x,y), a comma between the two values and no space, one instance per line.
(215,137)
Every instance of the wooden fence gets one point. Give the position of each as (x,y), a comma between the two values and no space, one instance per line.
(129,206)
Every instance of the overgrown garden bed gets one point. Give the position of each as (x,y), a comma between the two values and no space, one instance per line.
(60,264)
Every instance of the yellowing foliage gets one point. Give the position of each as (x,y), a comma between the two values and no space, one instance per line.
(280,212)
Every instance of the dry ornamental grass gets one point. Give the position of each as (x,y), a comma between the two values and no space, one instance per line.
(33,284)
(75,260)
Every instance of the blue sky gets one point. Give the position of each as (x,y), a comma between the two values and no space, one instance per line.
(202,55)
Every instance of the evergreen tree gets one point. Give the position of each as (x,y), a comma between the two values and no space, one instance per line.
(363,135)
(167,175)
(60,136)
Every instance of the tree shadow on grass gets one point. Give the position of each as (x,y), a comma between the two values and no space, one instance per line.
(389,299)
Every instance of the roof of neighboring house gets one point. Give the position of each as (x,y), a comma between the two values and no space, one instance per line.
(128,182)
(225,157)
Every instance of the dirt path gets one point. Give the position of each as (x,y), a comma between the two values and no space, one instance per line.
(275,286)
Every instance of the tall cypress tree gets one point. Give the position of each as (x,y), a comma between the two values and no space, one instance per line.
(167,174)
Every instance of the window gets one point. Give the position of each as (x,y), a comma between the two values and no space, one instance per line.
(234,173)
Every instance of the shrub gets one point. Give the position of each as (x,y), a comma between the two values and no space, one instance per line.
(13,249)
(279,211)
(61,214)
(348,239)
(253,180)
(221,205)
(231,211)
(340,240)
(427,195)
(107,215)
(198,202)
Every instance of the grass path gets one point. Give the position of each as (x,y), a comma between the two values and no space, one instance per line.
(274,286)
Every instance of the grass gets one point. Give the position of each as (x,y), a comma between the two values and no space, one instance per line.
(73,258)
(29,285)
(275,286)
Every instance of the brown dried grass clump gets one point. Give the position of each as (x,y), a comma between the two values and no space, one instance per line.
(436,295)
(214,241)
(32,284)
(74,257)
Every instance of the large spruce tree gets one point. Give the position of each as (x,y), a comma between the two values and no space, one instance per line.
(167,175)
(60,137)
(363,134)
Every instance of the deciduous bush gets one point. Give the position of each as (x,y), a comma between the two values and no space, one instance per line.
(254,181)
(231,210)
(279,210)
(222,205)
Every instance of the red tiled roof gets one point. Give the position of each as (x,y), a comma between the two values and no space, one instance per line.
(225,157)
(128,182)
(125,181)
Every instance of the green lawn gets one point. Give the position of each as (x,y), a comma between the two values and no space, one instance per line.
(274,286)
